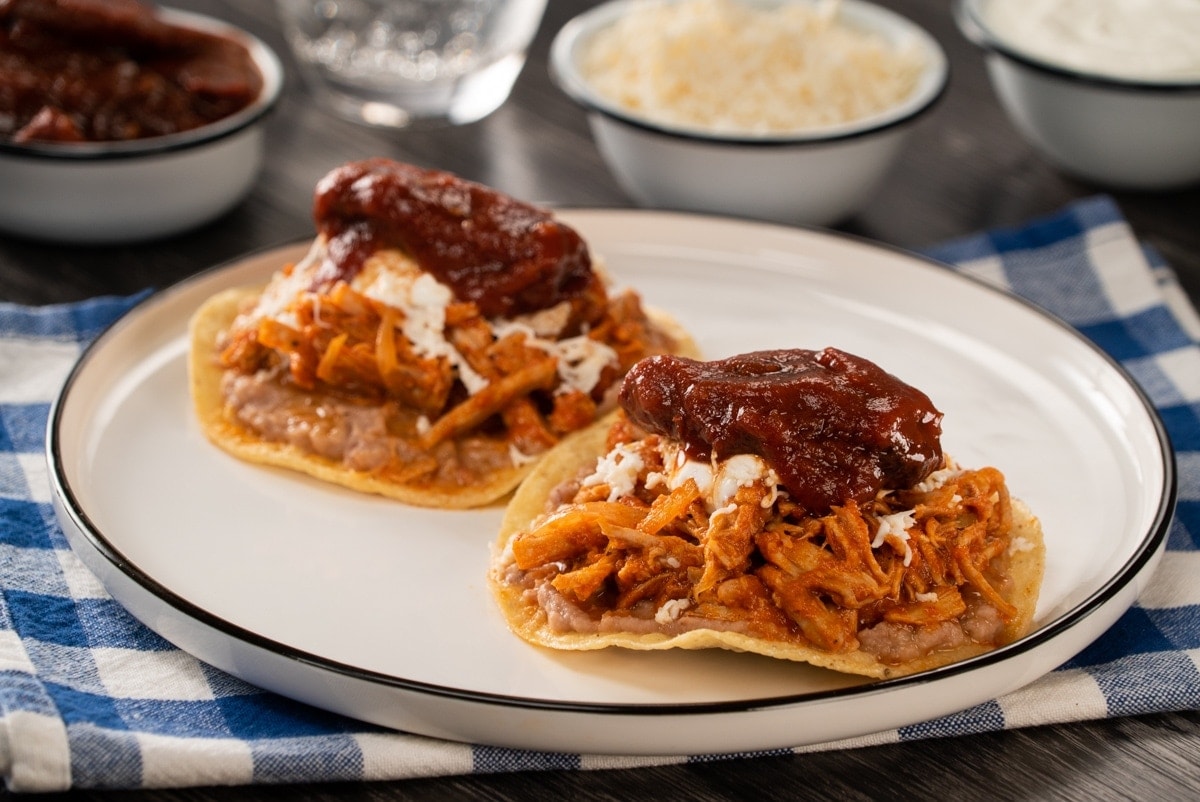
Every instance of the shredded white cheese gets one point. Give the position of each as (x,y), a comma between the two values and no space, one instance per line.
(732,67)
(580,359)
(893,529)
(618,469)
(397,281)
(671,610)
(718,480)
(936,479)
(422,300)
(700,472)
(740,470)
(283,288)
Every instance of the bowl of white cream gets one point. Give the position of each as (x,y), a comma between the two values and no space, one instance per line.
(1107,90)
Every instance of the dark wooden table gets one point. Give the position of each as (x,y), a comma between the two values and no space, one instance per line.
(966,170)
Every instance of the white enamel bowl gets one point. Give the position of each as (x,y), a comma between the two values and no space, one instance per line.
(110,192)
(1119,133)
(817,177)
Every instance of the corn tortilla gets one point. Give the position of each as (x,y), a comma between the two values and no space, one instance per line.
(205,374)
(528,621)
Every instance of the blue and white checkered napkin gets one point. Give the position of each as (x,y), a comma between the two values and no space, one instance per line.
(92,699)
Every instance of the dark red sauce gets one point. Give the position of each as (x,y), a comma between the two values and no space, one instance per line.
(111,70)
(506,256)
(834,426)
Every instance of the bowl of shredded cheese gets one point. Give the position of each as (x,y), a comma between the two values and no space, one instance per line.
(1106,90)
(785,110)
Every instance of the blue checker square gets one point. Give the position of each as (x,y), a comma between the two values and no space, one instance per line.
(35,572)
(492,759)
(1135,632)
(1179,626)
(22,524)
(81,707)
(22,427)
(1038,234)
(1065,286)
(1144,683)
(1183,424)
(110,625)
(78,322)
(48,619)
(201,718)
(986,717)
(1150,332)
(21,691)
(264,715)
(1185,529)
(104,758)
(1094,212)
(330,757)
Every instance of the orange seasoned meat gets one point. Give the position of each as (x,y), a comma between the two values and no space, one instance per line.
(916,566)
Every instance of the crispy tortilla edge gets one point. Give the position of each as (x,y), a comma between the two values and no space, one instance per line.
(528,621)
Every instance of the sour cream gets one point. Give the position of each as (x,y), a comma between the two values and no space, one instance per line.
(1132,39)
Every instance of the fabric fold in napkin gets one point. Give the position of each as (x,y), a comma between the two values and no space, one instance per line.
(90,698)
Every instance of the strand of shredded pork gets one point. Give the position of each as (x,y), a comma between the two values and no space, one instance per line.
(652,542)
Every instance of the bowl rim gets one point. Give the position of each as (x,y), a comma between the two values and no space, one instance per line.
(931,88)
(970,20)
(264,57)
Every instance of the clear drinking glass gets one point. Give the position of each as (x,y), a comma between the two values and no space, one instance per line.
(408,62)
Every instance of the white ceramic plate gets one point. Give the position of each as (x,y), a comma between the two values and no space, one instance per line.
(381,611)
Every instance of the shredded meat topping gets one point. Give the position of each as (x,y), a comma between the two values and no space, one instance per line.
(341,350)
(842,581)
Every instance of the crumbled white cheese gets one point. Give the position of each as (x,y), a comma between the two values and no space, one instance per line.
(740,470)
(936,479)
(618,469)
(580,359)
(422,300)
(283,289)
(745,68)
(671,610)
(926,597)
(695,470)
(719,480)
(894,528)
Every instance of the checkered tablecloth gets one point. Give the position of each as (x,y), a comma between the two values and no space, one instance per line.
(90,698)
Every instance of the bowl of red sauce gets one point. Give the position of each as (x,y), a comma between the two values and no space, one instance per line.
(122,122)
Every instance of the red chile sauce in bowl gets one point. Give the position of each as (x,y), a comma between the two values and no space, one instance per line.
(75,71)
(832,425)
